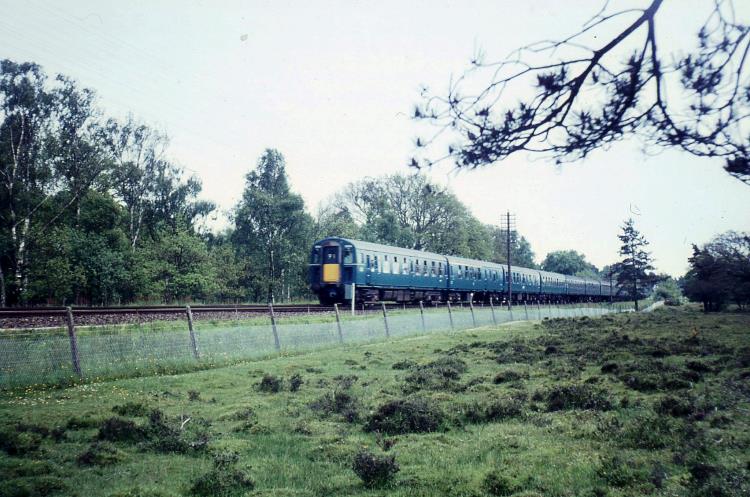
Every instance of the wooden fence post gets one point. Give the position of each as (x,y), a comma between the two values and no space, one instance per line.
(526,310)
(492,309)
(471,306)
(421,314)
(510,308)
(450,314)
(276,341)
(385,320)
(73,342)
(193,344)
(338,323)
(539,309)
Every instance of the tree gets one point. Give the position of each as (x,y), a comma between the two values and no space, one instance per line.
(569,262)
(136,150)
(412,212)
(335,220)
(25,108)
(668,290)
(520,248)
(272,229)
(593,88)
(631,271)
(720,272)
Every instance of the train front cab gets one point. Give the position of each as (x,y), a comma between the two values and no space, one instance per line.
(332,270)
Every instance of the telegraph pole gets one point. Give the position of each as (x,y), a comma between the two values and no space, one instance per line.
(508,225)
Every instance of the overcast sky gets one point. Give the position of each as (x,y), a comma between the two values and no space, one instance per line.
(332,86)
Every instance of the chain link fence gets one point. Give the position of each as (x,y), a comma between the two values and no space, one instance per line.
(69,355)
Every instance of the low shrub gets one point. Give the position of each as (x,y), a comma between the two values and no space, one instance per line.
(82,423)
(338,402)
(510,375)
(496,410)
(224,479)
(410,415)
(642,431)
(610,367)
(165,436)
(99,453)
(131,409)
(14,443)
(345,382)
(405,364)
(270,384)
(441,374)
(495,483)
(577,396)
(295,382)
(618,472)
(194,395)
(117,429)
(374,470)
(676,406)
(38,487)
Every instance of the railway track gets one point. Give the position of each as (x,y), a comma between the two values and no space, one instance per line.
(51,317)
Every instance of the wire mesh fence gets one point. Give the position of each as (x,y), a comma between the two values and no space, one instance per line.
(66,354)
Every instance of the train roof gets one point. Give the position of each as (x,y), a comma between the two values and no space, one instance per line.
(390,249)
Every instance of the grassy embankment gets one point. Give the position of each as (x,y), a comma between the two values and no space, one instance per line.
(623,405)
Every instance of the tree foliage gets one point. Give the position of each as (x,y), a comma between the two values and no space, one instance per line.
(604,82)
(720,272)
(77,190)
(569,262)
(272,229)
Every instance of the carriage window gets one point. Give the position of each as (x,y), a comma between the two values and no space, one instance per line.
(440,268)
(368,261)
(316,256)
(377,269)
(386,265)
(330,255)
(424,268)
(348,255)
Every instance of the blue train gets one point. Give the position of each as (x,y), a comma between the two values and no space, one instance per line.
(342,270)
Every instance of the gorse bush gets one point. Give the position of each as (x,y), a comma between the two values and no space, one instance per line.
(132,409)
(224,479)
(576,396)
(374,470)
(295,382)
(100,454)
(270,384)
(411,415)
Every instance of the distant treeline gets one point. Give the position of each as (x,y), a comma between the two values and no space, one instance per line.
(94,212)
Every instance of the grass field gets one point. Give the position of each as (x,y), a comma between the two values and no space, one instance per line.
(629,404)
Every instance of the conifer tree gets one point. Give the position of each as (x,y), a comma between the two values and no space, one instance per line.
(632,276)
